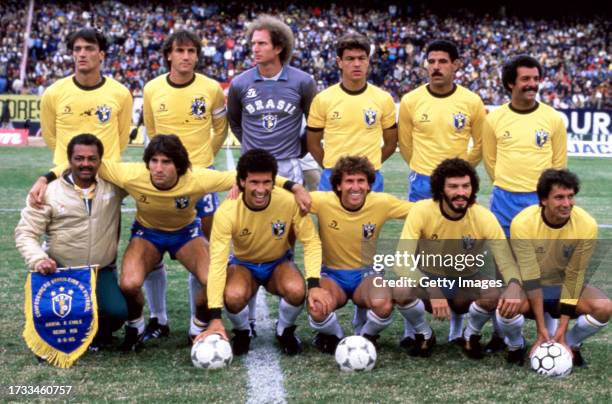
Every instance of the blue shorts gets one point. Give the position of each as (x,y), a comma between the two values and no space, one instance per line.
(208,204)
(171,241)
(348,279)
(552,301)
(420,187)
(325,183)
(505,205)
(263,271)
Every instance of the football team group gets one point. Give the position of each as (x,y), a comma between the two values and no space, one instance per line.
(541,242)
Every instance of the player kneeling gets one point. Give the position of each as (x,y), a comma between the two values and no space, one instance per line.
(452,225)
(553,244)
(258,223)
(350,220)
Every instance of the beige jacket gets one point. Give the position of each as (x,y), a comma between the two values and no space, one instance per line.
(74,237)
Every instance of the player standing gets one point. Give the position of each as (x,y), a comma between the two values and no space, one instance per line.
(436,122)
(192,106)
(353,116)
(553,243)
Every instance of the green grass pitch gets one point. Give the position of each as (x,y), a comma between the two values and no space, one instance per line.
(163,371)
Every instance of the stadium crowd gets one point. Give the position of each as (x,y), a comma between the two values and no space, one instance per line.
(574,52)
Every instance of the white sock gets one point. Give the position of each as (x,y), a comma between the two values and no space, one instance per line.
(286,315)
(359,319)
(477,318)
(374,324)
(139,324)
(408,330)
(585,326)
(414,313)
(253,308)
(240,320)
(155,285)
(194,287)
(329,326)
(196,326)
(512,330)
(456,326)
(551,324)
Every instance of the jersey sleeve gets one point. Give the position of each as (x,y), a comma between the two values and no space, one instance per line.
(316,115)
(220,239)
(309,91)
(116,172)
(219,120)
(489,147)
(308,236)
(47,118)
(479,116)
(559,145)
(32,225)
(147,111)
(316,198)
(125,120)
(407,246)
(389,112)
(522,246)
(496,239)
(234,111)
(405,130)
(214,181)
(397,208)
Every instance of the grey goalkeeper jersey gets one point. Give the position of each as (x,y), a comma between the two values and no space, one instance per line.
(267,114)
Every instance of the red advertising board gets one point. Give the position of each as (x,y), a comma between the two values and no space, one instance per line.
(13,137)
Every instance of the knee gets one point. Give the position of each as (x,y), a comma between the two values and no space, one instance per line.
(235,299)
(603,310)
(130,285)
(487,304)
(382,307)
(294,293)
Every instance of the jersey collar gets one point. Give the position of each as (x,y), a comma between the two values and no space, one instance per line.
(86,88)
(356,92)
(452,219)
(451,92)
(283,75)
(523,111)
(552,226)
(180,85)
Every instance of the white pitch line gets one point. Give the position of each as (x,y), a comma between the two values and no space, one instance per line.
(265,377)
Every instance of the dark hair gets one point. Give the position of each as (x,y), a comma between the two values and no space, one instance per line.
(86,139)
(451,168)
(171,147)
(551,177)
(443,45)
(352,41)
(351,165)
(88,35)
(510,69)
(280,34)
(255,161)
(182,36)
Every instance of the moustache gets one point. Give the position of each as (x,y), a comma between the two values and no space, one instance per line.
(459,198)
(436,74)
(530,89)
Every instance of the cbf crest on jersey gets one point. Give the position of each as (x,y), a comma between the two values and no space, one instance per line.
(468,242)
(198,108)
(568,251)
(541,137)
(367,230)
(61,313)
(268,121)
(459,120)
(278,229)
(181,202)
(103,112)
(369,116)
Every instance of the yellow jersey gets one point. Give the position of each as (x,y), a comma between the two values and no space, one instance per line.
(519,145)
(189,111)
(68,109)
(433,128)
(554,255)
(352,122)
(348,237)
(258,236)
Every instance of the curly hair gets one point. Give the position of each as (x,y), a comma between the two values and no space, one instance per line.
(551,177)
(443,45)
(510,69)
(255,161)
(86,139)
(450,168)
(351,165)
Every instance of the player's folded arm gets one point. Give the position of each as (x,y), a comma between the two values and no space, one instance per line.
(220,239)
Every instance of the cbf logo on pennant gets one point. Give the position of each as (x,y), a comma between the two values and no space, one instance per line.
(62,301)
(541,137)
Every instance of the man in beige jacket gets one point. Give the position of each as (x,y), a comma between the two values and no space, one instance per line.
(80,219)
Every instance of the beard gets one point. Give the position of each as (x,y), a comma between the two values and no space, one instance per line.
(452,207)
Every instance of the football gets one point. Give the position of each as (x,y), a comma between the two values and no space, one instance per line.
(552,359)
(355,353)
(212,353)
